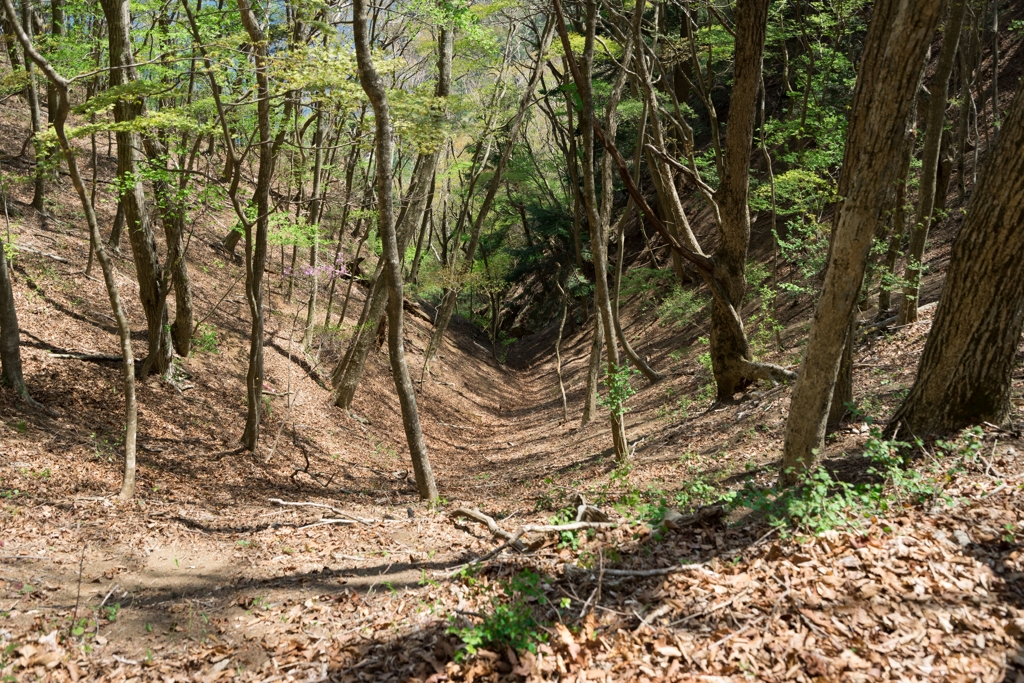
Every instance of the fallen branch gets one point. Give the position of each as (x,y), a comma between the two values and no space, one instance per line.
(30,250)
(487,521)
(640,573)
(333,509)
(513,540)
(327,521)
(99,357)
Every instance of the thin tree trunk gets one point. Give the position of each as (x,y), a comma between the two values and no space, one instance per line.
(890,69)
(347,374)
(315,202)
(965,374)
(256,233)
(377,95)
(447,307)
(558,348)
(930,162)
(124,332)
(38,184)
(899,220)
(593,371)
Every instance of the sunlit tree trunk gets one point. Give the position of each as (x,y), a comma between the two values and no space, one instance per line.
(140,233)
(894,54)
(256,233)
(377,94)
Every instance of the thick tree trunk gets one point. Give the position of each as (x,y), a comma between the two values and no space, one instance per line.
(10,335)
(140,232)
(889,73)
(377,95)
(933,136)
(966,369)
(63,107)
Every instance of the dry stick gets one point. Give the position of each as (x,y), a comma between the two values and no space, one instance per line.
(544,528)
(558,352)
(641,572)
(327,521)
(333,509)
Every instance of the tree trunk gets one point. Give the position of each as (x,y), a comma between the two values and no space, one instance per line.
(730,352)
(315,201)
(347,374)
(256,234)
(593,371)
(10,335)
(899,221)
(890,69)
(118,228)
(63,107)
(377,95)
(38,184)
(140,233)
(933,135)
(966,369)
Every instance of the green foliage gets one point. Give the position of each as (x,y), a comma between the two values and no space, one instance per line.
(680,306)
(806,247)
(566,539)
(511,623)
(205,338)
(819,501)
(620,388)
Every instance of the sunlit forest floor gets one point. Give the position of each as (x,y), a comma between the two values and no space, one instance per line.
(207,576)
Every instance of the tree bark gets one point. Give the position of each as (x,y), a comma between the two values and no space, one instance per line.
(10,335)
(38,184)
(933,135)
(315,201)
(730,352)
(256,233)
(593,371)
(890,69)
(140,232)
(375,91)
(965,372)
